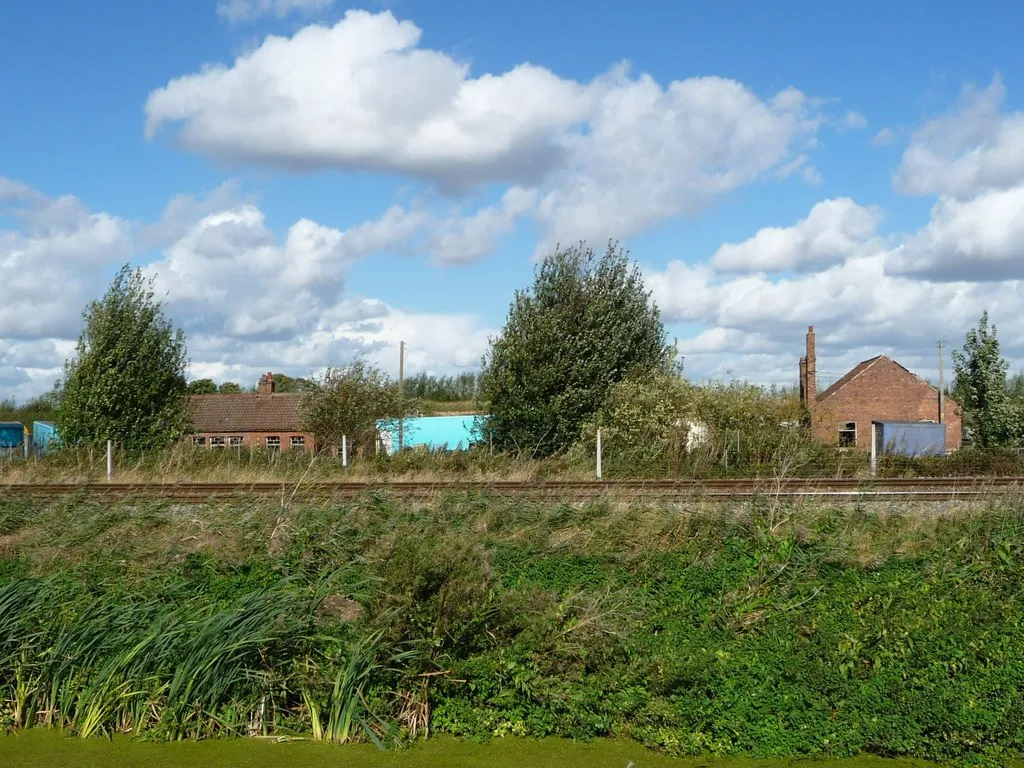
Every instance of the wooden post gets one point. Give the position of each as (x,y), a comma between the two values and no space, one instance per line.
(344,451)
(110,459)
(401,392)
(598,453)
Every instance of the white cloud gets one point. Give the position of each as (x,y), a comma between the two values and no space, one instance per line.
(654,153)
(974,149)
(250,302)
(833,231)
(606,158)
(183,211)
(853,121)
(884,138)
(464,239)
(754,322)
(239,11)
(362,96)
(978,239)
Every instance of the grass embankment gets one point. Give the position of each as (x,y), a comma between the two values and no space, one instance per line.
(763,631)
(41,749)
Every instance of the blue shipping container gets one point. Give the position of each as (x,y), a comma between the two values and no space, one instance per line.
(451,432)
(44,436)
(910,438)
(12,434)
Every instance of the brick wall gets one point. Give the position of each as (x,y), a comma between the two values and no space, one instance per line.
(885,391)
(259,439)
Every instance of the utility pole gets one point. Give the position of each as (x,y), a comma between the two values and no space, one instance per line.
(401,391)
(942,356)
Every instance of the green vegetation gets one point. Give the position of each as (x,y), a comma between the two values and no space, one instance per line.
(759,631)
(443,389)
(41,749)
(585,324)
(127,380)
(980,387)
(348,401)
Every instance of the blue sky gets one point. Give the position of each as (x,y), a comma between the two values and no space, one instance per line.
(310,181)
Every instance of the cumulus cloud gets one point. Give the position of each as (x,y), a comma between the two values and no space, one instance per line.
(252,302)
(975,148)
(831,232)
(608,157)
(464,239)
(239,11)
(183,211)
(362,95)
(859,305)
(51,263)
(981,239)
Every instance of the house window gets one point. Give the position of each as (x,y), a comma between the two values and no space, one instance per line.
(298,441)
(234,442)
(217,442)
(199,440)
(273,443)
(848,434)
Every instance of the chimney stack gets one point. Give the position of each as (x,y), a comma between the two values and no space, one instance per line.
(266,386)
(812,370)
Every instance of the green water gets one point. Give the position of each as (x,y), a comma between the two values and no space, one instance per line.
(46,749)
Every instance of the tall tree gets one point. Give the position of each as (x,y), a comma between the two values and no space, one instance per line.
(349,401)
(202,387)
(230,388)
(585,324)
(980,386)
(127,380)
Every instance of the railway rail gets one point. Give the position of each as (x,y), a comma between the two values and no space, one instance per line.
(855,489)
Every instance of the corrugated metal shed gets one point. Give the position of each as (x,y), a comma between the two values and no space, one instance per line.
(910,438)
(12,434)
(451,432)
(44,436)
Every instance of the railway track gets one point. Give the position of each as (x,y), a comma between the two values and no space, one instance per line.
(859,489)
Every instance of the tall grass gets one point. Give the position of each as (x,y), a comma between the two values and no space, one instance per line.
(760,629)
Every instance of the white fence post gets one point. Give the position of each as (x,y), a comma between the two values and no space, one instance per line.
(598,453)
(110,459)
(344,451)
(874,450)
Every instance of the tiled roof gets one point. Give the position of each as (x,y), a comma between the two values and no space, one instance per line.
(859,368)
(246,413)
(846,378)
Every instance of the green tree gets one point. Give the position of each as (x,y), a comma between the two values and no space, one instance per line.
(283,383)
(230,388)
(585,324)
(348,401)
(980,387)
(202,387)
(127,380)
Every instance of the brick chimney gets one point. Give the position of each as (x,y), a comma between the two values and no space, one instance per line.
(803,381)
(811,377)
(266,384)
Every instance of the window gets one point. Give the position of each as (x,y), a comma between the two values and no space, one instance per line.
(298,441)
(848,434)
(273,443)
(217,442)
(199,440)
(234,442)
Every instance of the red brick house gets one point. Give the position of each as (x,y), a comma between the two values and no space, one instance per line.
(261,419)
(878,389)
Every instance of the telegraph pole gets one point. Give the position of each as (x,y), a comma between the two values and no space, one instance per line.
(401,391)
(942,347)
